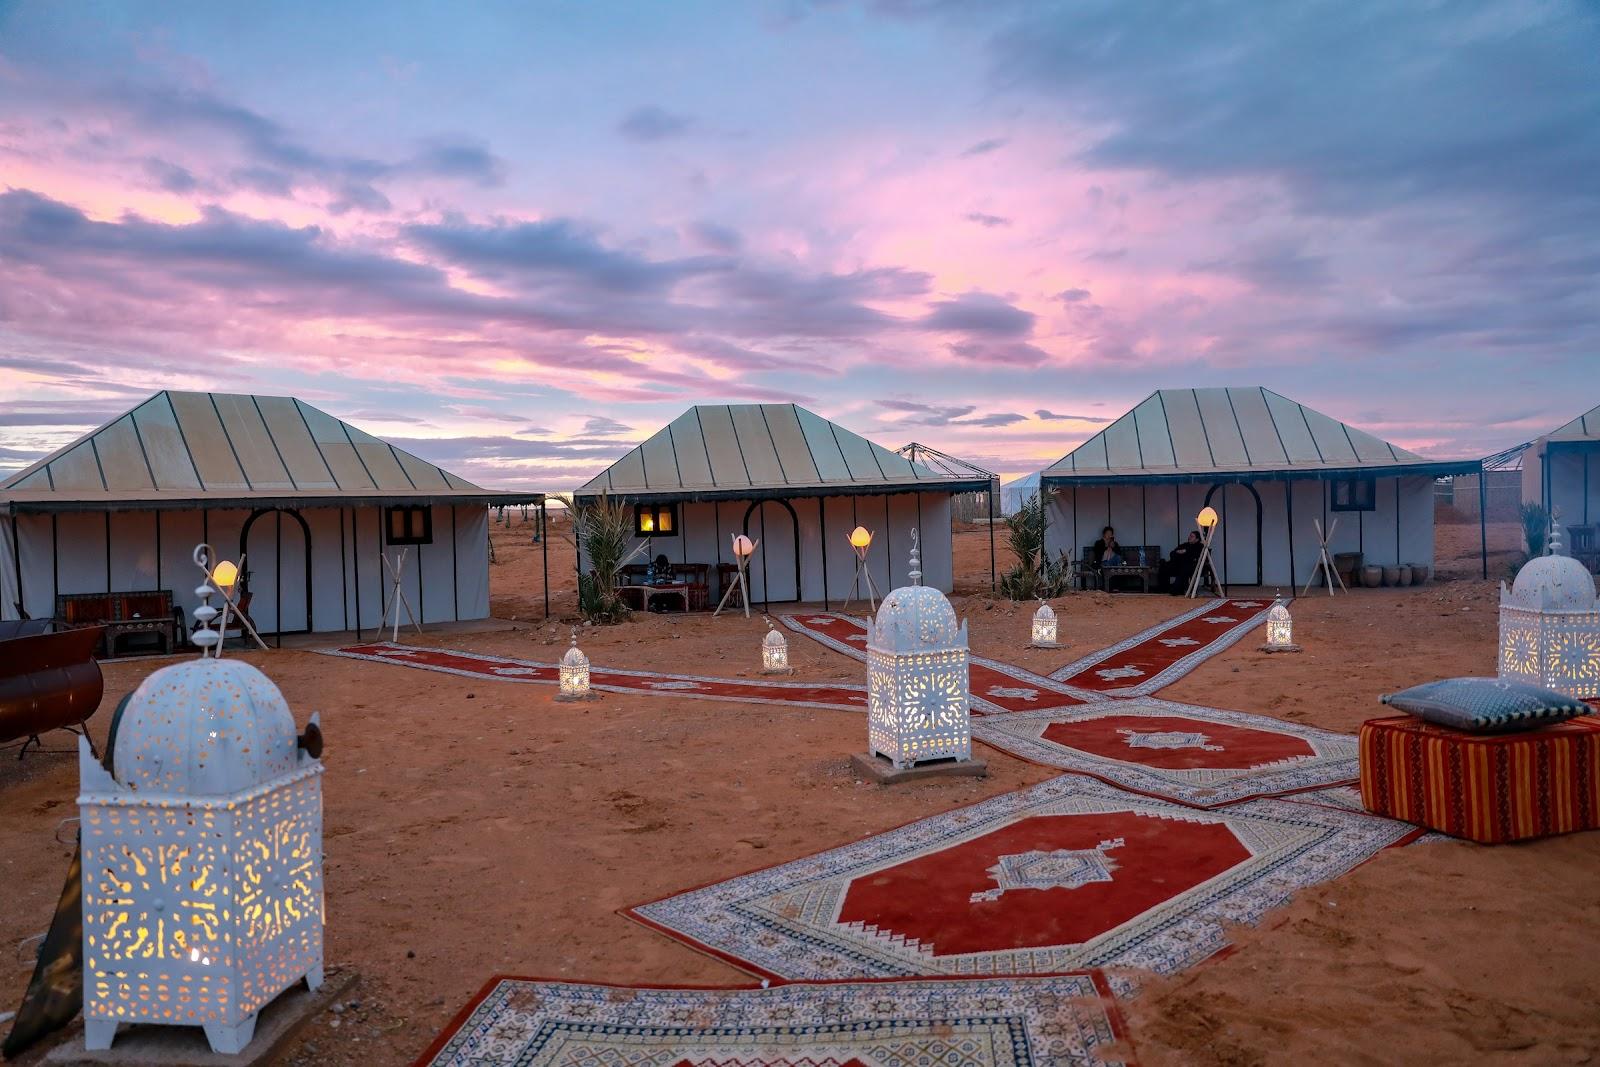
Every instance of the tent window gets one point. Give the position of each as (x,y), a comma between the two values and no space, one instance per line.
(411,525)
(1354,494)
(655,520)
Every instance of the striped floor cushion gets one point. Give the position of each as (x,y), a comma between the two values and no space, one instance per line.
(1484,787)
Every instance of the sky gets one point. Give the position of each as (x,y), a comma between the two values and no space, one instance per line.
(516,238)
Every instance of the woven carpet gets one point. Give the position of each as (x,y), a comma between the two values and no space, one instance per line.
(1205,757)
(1065,875)
(1157,657)
(996,687)
(1061,1021)
(476,665)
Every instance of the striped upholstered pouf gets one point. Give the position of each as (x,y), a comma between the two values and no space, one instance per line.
(1484,787)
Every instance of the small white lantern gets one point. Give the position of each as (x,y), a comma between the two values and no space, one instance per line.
(574,673)
(1550,625)
(1280,629)
(918,701)
(774,652)
(202,856)
(1044,627)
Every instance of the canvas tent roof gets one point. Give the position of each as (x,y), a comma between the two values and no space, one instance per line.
(1184,435)
(186,449)
(1585,427)
(762,450)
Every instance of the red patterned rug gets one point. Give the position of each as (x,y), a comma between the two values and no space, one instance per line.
(996,687)
(1052,1021)
(1205,757)
(1157,657)
(477,665)
(1068,874)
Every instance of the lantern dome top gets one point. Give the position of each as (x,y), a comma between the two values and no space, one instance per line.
(205,727)
(774,639)
(1045,612)
(916,616)
(574,656)
(1279,612)
(1554,583)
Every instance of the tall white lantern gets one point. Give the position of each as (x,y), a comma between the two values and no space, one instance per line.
(573,673)
(918,704)
(774,652)
(1550,625)
(202,857)
(1044,627)
(1280,629)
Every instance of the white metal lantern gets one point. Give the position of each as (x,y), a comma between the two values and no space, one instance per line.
(1550,625)
(774,652)
(1280,629)
(1044,627)
(918,703)
(574,673)
(202,857)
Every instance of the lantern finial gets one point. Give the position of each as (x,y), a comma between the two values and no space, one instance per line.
(1554,546)
(916,559)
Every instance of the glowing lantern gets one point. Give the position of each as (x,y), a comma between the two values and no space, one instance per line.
(1207,518)
(860,542)
(774,652)
(1550,625)
(860,538)
(743,547)
(1280,629)
(574,673)
(224,575)
(202,856)
(1044,627)
(918,703)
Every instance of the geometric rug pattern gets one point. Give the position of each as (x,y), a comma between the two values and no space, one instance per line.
(1065,875)
(499,668)
(1155,658)
(996,687)
(1205,757)
(985,1022)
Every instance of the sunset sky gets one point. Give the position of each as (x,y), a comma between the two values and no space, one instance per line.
(516,238)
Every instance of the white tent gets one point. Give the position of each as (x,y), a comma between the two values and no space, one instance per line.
(1014,494)
(311,501)
(1268,465)
(796,482)
(1562,470)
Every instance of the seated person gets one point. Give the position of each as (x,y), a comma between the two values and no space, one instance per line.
(1178,568)
(661,571)
(1107,553)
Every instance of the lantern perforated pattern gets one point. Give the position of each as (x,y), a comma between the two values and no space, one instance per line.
(202,859)
(918,705)
(1550,627)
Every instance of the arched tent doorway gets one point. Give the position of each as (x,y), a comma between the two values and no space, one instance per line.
(775,572)
(277,571)
(1238,555)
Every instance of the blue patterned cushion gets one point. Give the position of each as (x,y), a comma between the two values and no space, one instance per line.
(1487,705)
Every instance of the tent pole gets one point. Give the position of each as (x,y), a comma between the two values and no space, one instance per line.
(1483,519)
(544,550)
(993,581)
(16,567)
(822,523)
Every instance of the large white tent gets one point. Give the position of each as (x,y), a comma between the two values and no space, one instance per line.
(306,498)
(1268,465)
(796,482)
(1562,470)
(1015,493)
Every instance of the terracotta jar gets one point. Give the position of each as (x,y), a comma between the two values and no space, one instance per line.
(1371,576)
(1391,576)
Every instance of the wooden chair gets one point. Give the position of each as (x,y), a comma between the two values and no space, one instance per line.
(697,576)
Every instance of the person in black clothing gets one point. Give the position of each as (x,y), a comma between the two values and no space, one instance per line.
(1178,568)
(1107,553)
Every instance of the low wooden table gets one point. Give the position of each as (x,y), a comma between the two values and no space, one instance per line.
(1144,573)
(646,592)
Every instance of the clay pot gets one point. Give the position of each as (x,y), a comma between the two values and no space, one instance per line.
(1371,576)
(1420,574)
(1391,576)
(1405,574)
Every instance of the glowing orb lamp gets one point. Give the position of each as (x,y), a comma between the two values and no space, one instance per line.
(1207,518)
(202,857)
(860,538)
(225,574)
(743,547)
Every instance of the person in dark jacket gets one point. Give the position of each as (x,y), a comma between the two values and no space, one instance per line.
(1178,568)
(1107,553)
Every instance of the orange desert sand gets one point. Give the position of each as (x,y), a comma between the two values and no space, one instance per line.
(475,827)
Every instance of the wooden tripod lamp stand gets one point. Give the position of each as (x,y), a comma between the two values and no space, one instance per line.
(860,542)
(743,549)
(1204,572)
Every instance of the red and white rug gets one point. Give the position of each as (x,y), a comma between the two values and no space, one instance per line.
(1066,875)
(996,688)
(1155,658)
(1205,757)
(1059,1021)
(478,665)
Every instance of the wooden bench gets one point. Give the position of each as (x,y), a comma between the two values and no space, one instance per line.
(126,617)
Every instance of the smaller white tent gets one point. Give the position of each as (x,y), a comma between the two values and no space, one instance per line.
(1014,494)
(1562,470)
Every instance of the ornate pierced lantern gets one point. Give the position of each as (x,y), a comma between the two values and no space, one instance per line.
(202,856)
(1044,627)
(774,652)
(1550,625)
(574,673)
(918,705)
(1280,628)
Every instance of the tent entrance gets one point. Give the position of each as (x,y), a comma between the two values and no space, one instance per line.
(775,572)
(277,559)
(1238,557)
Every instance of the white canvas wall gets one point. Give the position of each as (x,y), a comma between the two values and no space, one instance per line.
(1575,485)
(1398,530)
(706,531)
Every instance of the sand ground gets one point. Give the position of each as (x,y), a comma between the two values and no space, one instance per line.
(475,827)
